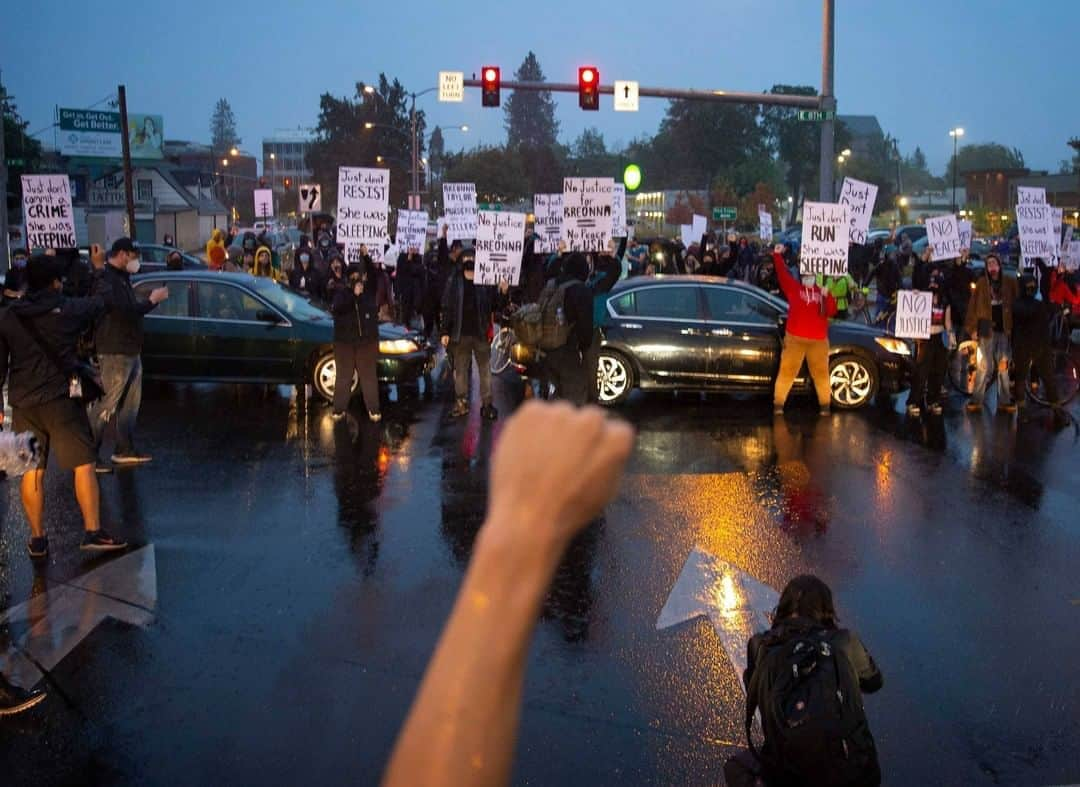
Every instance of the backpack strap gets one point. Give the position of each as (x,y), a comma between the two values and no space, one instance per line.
(45,347)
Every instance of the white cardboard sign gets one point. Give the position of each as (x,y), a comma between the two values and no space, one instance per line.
(824,247)
(412,230)
(618,211)
(913,314)
(765,230)
(587,213)
(47,212)
(1072,259)
(264,203)
(686,234)
(459,207)
(943,235)
(500,242)
(965,230)
(363,217)
(547,208)
(699,227)
(859,197)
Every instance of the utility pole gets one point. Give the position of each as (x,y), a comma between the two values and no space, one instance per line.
(5,253)
(828,101)
(414,195)
(129,194)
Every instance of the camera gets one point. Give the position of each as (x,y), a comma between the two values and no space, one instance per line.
(18,453)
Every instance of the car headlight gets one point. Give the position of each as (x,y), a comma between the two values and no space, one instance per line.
(893,345)
(398,347)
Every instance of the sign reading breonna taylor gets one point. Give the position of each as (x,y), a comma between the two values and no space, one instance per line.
(587,213)
(500,241)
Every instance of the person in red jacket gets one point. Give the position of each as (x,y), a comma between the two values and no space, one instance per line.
(807,336)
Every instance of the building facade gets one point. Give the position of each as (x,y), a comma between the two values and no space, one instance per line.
(284,159)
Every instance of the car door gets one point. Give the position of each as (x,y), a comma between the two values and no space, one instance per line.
(234,340)
(745,336)
(662,326)
(169,331)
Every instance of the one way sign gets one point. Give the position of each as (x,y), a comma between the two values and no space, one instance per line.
(626,96)
(310,198)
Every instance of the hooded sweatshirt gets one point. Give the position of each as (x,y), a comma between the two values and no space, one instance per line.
(808,313)
(215,251)
(269,273)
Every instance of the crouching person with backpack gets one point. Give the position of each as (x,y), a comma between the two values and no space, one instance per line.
(807,677)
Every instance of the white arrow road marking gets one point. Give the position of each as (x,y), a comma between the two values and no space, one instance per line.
(737,604)
(62,617)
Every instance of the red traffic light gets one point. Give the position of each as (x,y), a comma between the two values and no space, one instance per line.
(588,88)
(490,86)
(288,183)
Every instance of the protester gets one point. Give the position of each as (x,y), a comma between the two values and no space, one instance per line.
(15,278)
(323,253)
(167,240)
(303,277)
(467,311)
(989,321)
(216,253)
(410,285)
(840,287)
(119,341)
(572,302)
(807,335)
(1031,340)
(960,281)
(932,355)
(765,276)
(356,336)
(807,676)
(37,347)
(174,262)
(889,276)
(605,275)
(264,264)
(553,470)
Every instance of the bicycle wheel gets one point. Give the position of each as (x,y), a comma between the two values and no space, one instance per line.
(964,367)
(1066,378)
(500,350)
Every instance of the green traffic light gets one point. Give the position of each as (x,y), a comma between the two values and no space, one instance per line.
(631,177)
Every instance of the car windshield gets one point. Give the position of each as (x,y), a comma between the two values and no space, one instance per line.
(291,303)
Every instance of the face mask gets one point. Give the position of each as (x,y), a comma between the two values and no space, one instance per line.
(809,281)
(324,244)
(20,262)
(304,258)
(132,266)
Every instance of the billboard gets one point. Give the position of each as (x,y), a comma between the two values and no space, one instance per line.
(85,132)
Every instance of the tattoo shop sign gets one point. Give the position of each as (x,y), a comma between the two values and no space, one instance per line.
(459,208)
(859,197)
(500,241)
(825,233)
(587,213)
(547,209)
(47,212)
(943,235)
(913,313)
(363,210)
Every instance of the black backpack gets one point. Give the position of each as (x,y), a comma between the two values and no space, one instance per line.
(544,324)
(811,712)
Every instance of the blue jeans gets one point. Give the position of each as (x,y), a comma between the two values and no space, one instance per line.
(121,377)
(995,355)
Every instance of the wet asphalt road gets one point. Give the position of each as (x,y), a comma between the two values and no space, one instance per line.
(305,569)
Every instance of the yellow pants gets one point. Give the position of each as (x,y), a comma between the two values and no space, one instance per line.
(816,353)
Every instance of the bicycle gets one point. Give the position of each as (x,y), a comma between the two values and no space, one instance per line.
(1066,374)
(502,345)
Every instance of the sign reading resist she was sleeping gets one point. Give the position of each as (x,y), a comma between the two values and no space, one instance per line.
(50,223)
(587,213)
(500,241)
(363,210)
(824,239)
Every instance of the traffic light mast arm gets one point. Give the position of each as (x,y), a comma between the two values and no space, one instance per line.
(725,96)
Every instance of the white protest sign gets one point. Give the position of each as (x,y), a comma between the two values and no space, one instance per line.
(943,235)
(390,255)
(264,203)
(686,233)
(1038,238)
(547,209)
(1030,195)
(363,201)
(699,227)
(500,241)
(824,239)
(618,211)
(859,197)
(1072,259)
(765,230)
(913,314)
(47,212)
(964,229)
(587,213)
(459,207)
(1065,241)
(451,86)
(1057,218)
(411,229)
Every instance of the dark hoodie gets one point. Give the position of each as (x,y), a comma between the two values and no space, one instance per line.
(578,303)
(120,332)
(35,379)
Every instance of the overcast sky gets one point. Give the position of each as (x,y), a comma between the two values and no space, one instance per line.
(1002,70)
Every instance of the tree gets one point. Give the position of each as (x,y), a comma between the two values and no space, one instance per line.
(22,150)
(986,156)
(498,172)
(223,128)
(798,144)
(357,132)
(530,114)
(436,153)
(589,156)
(684,208)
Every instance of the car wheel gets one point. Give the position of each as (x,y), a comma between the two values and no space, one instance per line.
(853,381)
(614,377)
(324,377)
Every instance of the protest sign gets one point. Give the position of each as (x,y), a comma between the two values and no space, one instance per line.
(459,207)
(547,208)
(686,234)
(859,198)
(964,229)
(699,227)
(824,246)
(390,255)
(1067,239)
(47,212)
(411,230)
(1072,258)
(587,213)
(913,313)
(1038,238)
(500,241)
(1030,195)
(264,203)
(943,235)
(618,211)
(363,211)
(765,226)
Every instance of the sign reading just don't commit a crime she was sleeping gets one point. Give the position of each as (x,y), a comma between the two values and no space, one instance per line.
(49,218)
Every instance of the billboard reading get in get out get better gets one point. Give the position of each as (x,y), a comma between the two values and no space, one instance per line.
(85,132)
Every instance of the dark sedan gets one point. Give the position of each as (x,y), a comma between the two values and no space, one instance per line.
(236,328)
(713,334)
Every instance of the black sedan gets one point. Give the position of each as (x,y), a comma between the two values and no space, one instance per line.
(236,328)
(714,334)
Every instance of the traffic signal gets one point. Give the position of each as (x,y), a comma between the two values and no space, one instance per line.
(262,183)
(288,183)
(490,86)
(588,82)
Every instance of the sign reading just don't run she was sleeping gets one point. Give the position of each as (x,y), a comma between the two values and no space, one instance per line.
(824,239)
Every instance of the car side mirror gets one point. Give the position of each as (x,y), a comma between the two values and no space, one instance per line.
(265,315)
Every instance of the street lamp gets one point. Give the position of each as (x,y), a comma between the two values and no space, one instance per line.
(955,133)
(235,151)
